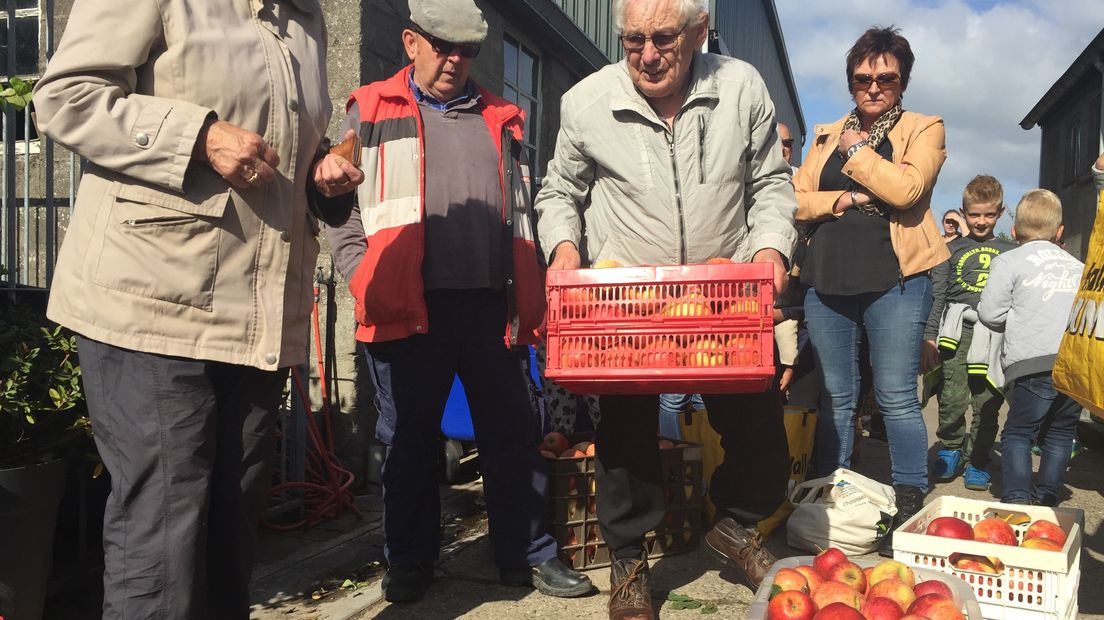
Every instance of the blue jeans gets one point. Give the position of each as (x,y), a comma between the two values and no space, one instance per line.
(894,324)
(671,406)
(1031,402)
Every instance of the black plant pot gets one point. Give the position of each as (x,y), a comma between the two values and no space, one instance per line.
(29,498)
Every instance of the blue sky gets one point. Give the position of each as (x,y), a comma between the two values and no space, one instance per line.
(981,65)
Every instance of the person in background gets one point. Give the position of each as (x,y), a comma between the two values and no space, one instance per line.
(621,129)
(954,226)
(956,286)
(1098,173)
(787,308)
(866,184)
(440,259)
(186,272)
(1029,295)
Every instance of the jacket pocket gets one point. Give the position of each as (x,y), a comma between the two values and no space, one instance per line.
(161,246)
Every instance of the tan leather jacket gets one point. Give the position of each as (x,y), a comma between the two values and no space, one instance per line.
(905,184)
(162,254)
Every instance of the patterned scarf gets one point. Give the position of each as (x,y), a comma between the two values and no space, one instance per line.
(878,132)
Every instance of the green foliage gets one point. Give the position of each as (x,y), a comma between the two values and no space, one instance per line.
(17,94)
(42,411)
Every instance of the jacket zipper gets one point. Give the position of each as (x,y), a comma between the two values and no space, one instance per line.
(701,150)
(678,194)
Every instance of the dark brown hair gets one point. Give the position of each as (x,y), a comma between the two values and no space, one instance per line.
(876,42)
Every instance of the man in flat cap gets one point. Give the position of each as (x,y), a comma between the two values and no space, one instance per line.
(441,260)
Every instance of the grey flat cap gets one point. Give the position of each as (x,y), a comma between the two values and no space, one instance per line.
(458,21)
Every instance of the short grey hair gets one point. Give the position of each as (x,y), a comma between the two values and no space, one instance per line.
(688,11)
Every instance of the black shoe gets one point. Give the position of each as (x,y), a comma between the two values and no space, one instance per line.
(909,502)
(406,583)
(551,577)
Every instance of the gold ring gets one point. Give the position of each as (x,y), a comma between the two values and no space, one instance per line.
(252,178)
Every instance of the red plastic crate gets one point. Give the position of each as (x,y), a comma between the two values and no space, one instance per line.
(652,330)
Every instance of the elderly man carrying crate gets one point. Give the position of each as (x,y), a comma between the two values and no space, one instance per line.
(672,157)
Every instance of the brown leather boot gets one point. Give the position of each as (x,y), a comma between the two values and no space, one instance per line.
(740,548)
(630,594)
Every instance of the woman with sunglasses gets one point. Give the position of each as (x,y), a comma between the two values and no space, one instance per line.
(866,185)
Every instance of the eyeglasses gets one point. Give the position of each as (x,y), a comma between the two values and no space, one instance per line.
(787,142)
(448,48)
(663,41)
(862,81)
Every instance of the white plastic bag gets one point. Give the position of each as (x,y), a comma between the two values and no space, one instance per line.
(845,510)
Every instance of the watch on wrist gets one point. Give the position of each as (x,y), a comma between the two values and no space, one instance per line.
(854,148)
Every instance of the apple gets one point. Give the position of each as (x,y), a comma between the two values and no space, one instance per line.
(950,527)
(578,354)
(583,448)
(881,608)
(838,611)
(895,590)
(548,455)
(705,352)
(825,560)
(975,563)
(892,569)
(791,605)
(661,353)
(789,579)
(691,304)
(994,530)
(933,586)
(913,617)
(1041,543)
(606,263)
(935,607)
(554,442)
(666,444)
(812,577)
(719,260)
(866,573)
(620,356)
(1046,529)
(848,573)
(835,592)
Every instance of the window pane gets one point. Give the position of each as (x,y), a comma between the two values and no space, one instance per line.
(526,73)
(26,4)
(509,94)
(509,61)
(527,107)
(26,45)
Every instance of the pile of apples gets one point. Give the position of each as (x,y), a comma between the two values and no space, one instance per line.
(834,588)
(1041,534)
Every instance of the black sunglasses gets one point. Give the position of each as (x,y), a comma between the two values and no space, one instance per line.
(862,81)
(663,41)
(448,48)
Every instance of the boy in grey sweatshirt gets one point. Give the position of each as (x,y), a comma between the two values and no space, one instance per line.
(1029,295)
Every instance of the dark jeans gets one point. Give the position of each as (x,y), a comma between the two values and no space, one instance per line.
(1033,401)
(189,445)
(750,484)
(413,377)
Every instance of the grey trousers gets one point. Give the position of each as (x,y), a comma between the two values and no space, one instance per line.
(189,445)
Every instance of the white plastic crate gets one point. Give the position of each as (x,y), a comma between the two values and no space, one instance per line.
(1032,584)
(963,596)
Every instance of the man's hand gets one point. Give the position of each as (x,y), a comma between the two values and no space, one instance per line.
(929,356)
(786,380)
(781,277)
(334,175)
(240,156)
(566,256)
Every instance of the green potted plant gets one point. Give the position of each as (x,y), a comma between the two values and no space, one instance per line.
(42,420)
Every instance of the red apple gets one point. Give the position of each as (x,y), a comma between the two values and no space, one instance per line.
(838,611)
(850,574)
(789,579)
(950,527)
(935,607)
(1046,529)
(835,592)
(913,617)
(881,608)
(812,577)
(583,448)
(825,560)
(555,443)
(866,573)
(1041,543)
(933,586)
(892,569)
(895,590)
(548,455)
(994,530)
(791,605)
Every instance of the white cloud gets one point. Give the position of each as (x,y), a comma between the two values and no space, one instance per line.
(980,65)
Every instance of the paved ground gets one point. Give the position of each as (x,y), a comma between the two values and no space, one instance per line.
(297,566)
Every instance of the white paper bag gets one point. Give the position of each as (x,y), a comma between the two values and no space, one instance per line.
(845,510)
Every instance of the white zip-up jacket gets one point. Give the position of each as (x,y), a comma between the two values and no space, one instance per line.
(622,185)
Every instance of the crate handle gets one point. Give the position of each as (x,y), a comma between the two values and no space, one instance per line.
(977,564)
(1011,517)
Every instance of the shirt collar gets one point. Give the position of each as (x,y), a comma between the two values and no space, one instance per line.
(470,94)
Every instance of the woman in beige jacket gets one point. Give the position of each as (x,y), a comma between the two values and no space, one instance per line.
(186,271)
(866,185)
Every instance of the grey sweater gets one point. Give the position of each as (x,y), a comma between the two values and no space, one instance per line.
(1029,295)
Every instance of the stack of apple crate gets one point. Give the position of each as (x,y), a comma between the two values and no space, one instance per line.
(1010,582)
(651,330)
(573,519)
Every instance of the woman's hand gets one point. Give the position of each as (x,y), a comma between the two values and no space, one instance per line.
(240,156)
(843,203)
(334,175)
(848,139)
